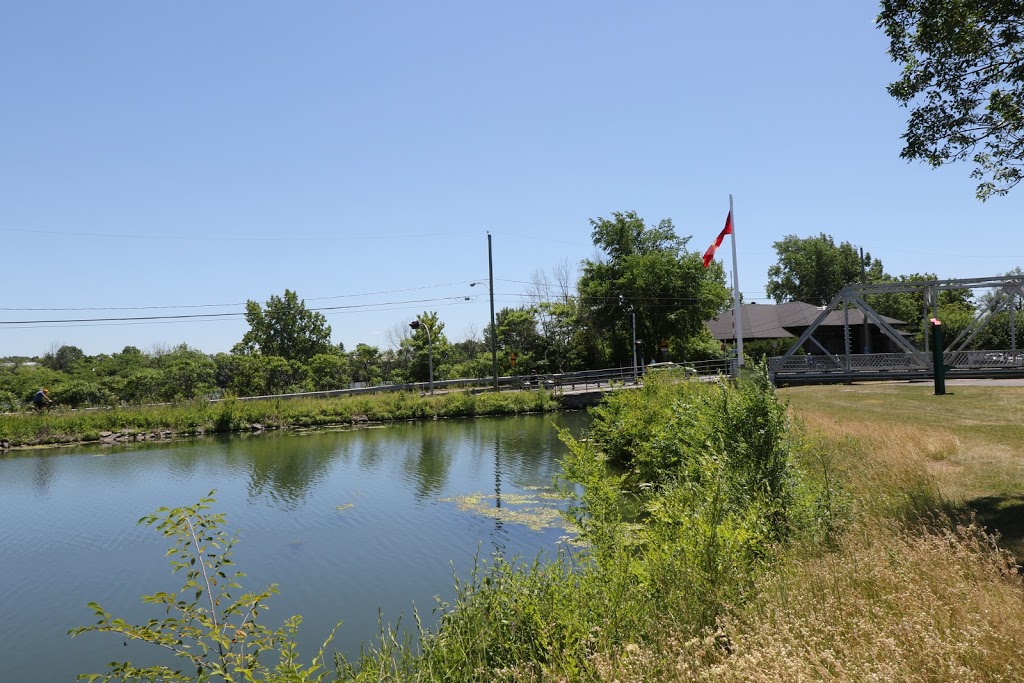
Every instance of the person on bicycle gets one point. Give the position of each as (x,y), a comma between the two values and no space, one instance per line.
(41,399)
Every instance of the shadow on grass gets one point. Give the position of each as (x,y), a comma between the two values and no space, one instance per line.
(1003,515)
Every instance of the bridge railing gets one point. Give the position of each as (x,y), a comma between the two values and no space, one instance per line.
(867,362)
(1002,359)
(900,363)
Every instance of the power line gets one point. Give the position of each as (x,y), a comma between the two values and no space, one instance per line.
(237,303)
(369,235)
(209,316)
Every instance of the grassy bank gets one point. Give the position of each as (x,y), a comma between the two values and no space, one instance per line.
(73,426)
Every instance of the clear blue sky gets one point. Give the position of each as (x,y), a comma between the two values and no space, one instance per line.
(196,153)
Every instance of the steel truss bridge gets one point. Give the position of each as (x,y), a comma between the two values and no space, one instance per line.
(908,361)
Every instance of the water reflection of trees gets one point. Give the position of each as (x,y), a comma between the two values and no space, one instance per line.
(524,450)
(428,459)
(283,469)
(44,470)
(527,449)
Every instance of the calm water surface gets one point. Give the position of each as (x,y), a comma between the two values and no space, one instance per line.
(68,530)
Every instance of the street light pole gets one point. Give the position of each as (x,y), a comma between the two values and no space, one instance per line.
(415,324)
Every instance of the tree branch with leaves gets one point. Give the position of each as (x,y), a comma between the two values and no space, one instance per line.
(963,81)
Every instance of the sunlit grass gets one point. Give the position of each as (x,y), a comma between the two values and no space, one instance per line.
(888,605)
(897,441)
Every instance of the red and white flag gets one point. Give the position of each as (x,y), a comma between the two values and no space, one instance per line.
(709,255)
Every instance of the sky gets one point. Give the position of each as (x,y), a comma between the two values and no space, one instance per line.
(179,159)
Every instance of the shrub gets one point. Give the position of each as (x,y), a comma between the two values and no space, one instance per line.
(218,635)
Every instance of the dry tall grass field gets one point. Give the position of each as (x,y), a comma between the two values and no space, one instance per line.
(894,439)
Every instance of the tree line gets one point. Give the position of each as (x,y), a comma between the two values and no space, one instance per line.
(643,274)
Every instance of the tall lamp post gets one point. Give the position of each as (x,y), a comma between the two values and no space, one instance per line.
(494,336)
(415,324)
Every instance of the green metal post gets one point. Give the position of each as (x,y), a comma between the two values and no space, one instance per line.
(938,361)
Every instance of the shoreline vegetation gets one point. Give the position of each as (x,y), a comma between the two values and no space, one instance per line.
(727,535)
(160,422)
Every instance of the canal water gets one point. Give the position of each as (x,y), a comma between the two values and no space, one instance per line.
(345,522)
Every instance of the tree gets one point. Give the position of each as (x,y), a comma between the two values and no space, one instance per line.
(517,334)
(210,625)
(963,79)
(814,269)
(328,371)
(556,310)
(365,364)
(646,271)
(63,359)
(285,328)
(992,298)
(186,373)
(261,375)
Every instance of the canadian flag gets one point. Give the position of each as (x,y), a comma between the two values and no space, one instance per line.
(709,255)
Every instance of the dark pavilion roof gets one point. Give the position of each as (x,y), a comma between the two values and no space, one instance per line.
(767,321)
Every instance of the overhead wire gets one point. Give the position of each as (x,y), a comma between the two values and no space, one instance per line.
(234,314)
(237,303)
(292,237)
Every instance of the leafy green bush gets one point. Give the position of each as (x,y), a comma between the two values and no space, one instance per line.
(9,402)
(218,635)
(707,488)
(80,394)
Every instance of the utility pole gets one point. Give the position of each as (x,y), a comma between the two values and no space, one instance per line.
(494,329)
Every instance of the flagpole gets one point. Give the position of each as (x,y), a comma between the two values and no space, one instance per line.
(737,320)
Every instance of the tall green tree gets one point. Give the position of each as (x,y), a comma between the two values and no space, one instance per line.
(646,271)
(963,81)
(63,359)
(365,363)
(565,337)
(285,327)
(518,334)
(815,269)
(262,375)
